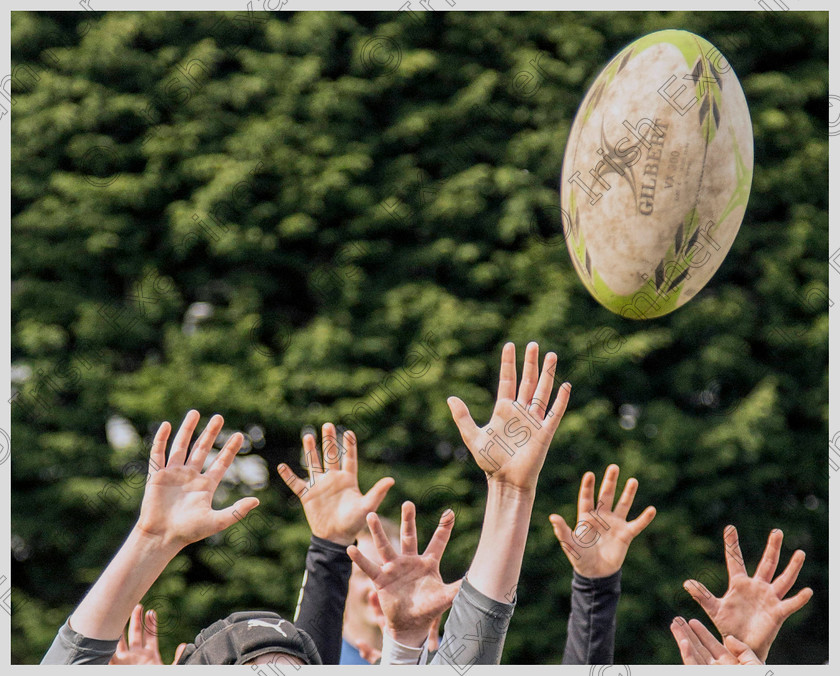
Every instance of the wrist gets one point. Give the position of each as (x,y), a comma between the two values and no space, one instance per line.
(412,638)
(511,495)
(154,544)
(337,538)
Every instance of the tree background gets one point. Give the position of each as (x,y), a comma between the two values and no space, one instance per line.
(378,179)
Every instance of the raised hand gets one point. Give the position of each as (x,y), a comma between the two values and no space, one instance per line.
(410,589)
(177,506)
(753,609)
(511,448)
(141,647)
(334,506)
(699,646)
(598,544)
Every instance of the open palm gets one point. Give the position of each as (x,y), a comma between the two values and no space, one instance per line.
(511,448)
(602,535)
(334,506)
(178,500)
(411,592)
(753,609)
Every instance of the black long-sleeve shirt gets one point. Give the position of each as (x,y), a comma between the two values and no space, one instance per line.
(323,592)
(591,635)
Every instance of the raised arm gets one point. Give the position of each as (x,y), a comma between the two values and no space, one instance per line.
(753,609)
(511,449)
(596,548)
(335,509)
(176,511)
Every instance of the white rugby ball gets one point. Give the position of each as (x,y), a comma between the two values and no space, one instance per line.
(656,174)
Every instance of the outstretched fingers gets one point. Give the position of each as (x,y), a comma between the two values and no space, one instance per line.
(625,502)
(766,568)
(202,445)
(157,456)
(370,568)
(732,551)
(703,596)
(542,396)
(374,497)
(330,447)
(351,452)
(135,627)
(380,539)
(224,459)
(789,606)
(507,373)
(699,651)
(787,578)
(606,495)
(555,415)
(561,529)
(297,485)
(680,634)
(642,521)
(178,452)
(463,420)
(408,530)
(586,495)
(437,545)
(530,374)
(225,518)
(151,633)
(311,459)
(708,641)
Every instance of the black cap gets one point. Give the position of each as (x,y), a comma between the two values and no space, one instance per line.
(242,637)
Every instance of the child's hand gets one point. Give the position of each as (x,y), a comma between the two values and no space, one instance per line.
(141,647)
(411,591)
(334,506)
(511,448)
(177,504)
(602,535)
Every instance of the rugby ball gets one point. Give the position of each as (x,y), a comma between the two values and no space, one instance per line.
(656,174)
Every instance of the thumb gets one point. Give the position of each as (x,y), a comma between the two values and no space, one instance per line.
(703,596)
(178,652)
(450,592)
(565,537)
(463,419)
(374,497)
(741,650)
(225,518)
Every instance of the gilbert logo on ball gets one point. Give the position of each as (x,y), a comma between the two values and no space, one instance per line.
(656,174)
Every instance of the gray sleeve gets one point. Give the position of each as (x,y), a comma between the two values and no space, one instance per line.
(475,630)
(70,647)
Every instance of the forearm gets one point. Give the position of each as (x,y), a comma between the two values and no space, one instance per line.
(507,518)
(320,610)
(591,633)
(105,610)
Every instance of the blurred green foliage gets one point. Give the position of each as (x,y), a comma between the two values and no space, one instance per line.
(377,179)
